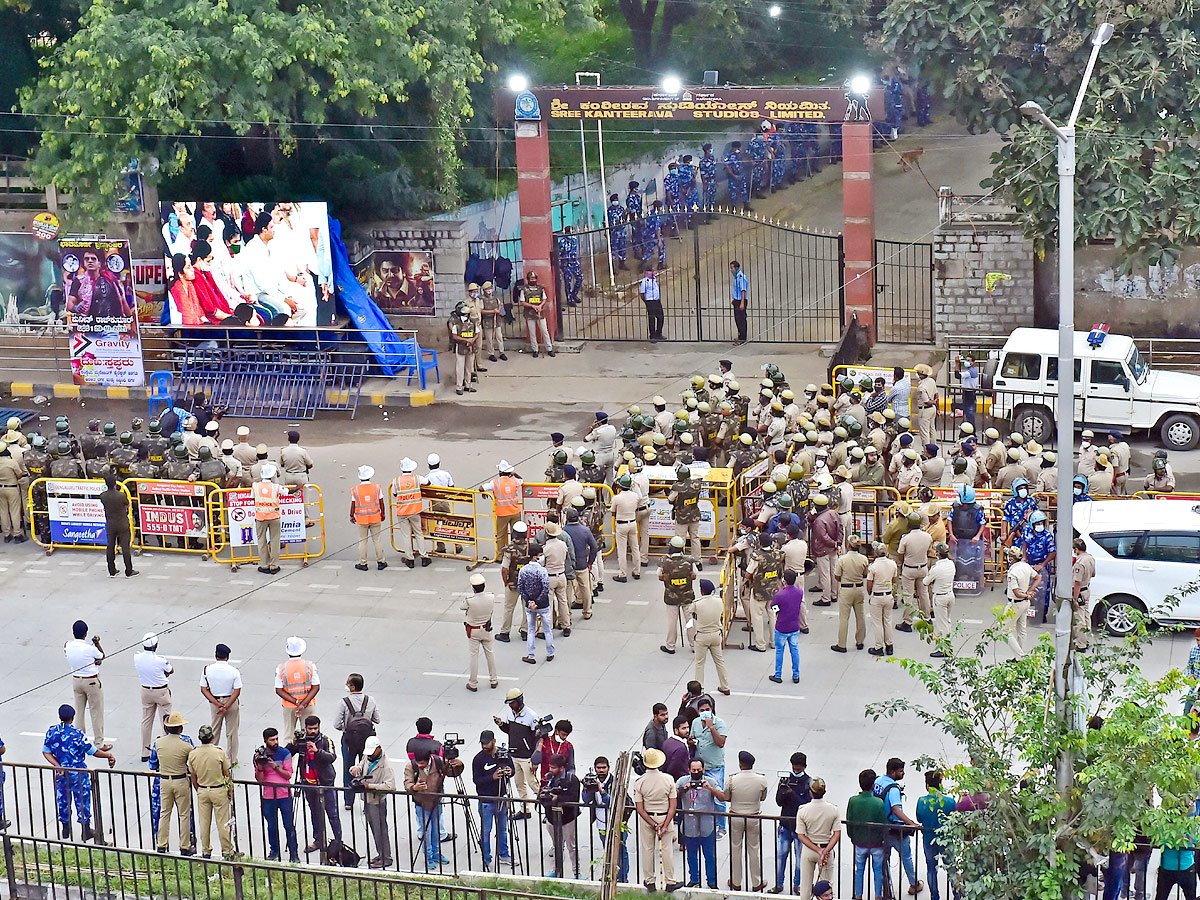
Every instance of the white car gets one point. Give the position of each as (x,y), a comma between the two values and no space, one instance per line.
(1146,551)
(1114,388)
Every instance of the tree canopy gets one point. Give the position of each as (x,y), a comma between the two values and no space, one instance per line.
(1137,134)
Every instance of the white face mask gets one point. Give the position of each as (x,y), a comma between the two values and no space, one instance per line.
(1022,493)
(1039,528)
(1085,443)
(1078,491)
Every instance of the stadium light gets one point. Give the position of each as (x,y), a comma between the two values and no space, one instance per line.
(672,84)
(775,11)
(518,83)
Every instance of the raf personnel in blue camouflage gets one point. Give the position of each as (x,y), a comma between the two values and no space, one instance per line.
(674,198)
(924,104)
(633,215)
(1040,552)
(735,171)
(1017,510)
(796,166)
(689,191)
(655,239)
(67,749)
(568,261)
(778,154)
(708,179)
(617,231)
(758,153)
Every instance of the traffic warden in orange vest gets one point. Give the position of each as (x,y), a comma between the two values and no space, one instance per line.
(267,527)
(366,511)
(506,502)
(406,514)
(297,684)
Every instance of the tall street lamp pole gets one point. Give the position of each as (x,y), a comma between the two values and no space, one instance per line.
(1065,413)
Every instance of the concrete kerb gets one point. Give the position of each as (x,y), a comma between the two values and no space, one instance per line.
(397,399)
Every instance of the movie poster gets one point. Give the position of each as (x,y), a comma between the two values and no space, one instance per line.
(101,310)
(28,280)
(399,281)
(247,264)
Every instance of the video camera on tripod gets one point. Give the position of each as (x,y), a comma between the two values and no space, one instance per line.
(450,744)
(504,761)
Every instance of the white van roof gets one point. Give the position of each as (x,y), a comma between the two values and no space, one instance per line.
(1136,515)
(1045,342)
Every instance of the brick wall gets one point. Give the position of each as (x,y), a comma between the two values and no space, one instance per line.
(963,254)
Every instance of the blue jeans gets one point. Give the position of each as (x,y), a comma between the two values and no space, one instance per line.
(1116,878)
(717,774)
(902,843)
(860,864)
(931,868)
(693,847)
(623,864)
(787,844)
(347,761)
(429,821)
(792,639)
(493,812)
(531,620)
(273,811)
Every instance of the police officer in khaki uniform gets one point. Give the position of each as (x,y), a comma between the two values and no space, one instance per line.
(1100,482)
(1119,454)
(11,472)
(477,609)
(625,506)
(175,788)
(516,554)
(476,312)
(925,400)
(654,797)
(1083,570)
(1011,472)
(294,461)
(678,575)
(850,570)
(880,574)
(914,561)
(210,771)
(493,332)
(708,613)
(243,450)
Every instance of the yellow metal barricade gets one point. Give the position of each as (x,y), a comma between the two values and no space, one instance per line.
(234,537)
(748,489)
(1158,495)
(538,497)
(869,510)
(718,508)
(731,590)
(991,501)
(171,516)
(66,512)
(450,520)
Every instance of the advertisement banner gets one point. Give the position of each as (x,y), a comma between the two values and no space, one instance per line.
(239,517)
(399,281)
(101,308)
(173,521)
(149,282)
(76,514)
(28,279)
(662,519)
(699,103)
(539,491)
(446,525)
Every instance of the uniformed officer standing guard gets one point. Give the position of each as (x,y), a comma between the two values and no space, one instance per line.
(708,612)
(1083,570)
(493,333)
(735,173)
(243,449)
(765,572)
(533,302)
(210,770)
(625,507)
(518,552)
(462,339)
(654,798)
(153,671)
(11,473)
(367,510)
(406,514)
(174,785)
(850,570)
(684,498)
(678,575)
(926,402)
(708,180)
(67,749)
(617,231)
(294,461)
(477,608)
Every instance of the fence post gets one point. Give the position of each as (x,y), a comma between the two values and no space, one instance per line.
(696,282)
(97,807)
(238,893)
(10,868)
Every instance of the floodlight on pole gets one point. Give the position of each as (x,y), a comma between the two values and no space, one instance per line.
(518,83)
(860,84)
(858,89)
(672,84)
(774,10)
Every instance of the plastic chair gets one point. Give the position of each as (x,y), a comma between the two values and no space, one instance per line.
(420,362)
(161,382)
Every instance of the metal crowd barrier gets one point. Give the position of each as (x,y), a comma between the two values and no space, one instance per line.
(537,498)
(66,513)
(172,516)
(123,802)
(231,519)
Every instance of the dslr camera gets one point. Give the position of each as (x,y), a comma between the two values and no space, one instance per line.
(450,744)
(638,762)
(544,727)
(504,758)
(262,755)
(591,780)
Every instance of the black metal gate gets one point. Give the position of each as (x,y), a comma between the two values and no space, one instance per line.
(795,280)
(903,292)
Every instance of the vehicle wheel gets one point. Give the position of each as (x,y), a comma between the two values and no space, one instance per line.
(1180,432)
(1034,423)
(1120,613)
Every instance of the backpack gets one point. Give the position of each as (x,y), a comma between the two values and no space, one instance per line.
(358,727)
(340,854)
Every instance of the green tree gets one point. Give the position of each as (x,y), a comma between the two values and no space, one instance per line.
(1137,160)
(1030,841)
(261,79)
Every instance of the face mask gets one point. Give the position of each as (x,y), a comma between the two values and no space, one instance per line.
(1078,492)
(1039,528)
(1022,493)
(1085,443)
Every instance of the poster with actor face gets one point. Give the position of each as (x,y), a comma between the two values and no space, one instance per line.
(101,310)
(399,281)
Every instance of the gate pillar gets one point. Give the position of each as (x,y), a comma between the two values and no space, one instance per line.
(858,211)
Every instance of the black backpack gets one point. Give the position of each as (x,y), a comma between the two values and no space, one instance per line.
(358,727)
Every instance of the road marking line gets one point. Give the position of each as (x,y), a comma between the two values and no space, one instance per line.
(159,577)
(374,590)
(972,621)
(444,569)
(602,600)
(242,581)
(828,612)
(426,593)
(637,602)
(331,566)
(73,562)
(768,696)
(450,675)
(199,579)
(319,586)
(203,659)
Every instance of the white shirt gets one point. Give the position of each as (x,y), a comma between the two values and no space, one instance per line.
(605,436)
(152,669)
(440,477)
(260,273)
(650,289)
(222,679)
(641,484)
(82,657)
(941,577)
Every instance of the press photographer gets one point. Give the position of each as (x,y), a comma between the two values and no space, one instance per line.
(521,725)
(794,790)
(273,770)
(373,776)
(697,795)
(425,777)
(559,797)
(556,742)
(597,794)
(315,758)
(490,770)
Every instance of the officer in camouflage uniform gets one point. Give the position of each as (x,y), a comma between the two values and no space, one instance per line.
(798,489)
(89,443)
(62,428)
(617,231)
(139,436)
(735,172)
(209,468)
(758,152)
(684,498)
(64,464)
(778,160)
(593,515)
(517,552)
(589,472)
(108,442)
(554,472)
(653,238)
(143,468)
(744,454)
(678,575)
(765,571)
(708,177)
(36,461)
(633,215)
(121,459)
(671,188)
(689,193)
(179,467)
(157,448)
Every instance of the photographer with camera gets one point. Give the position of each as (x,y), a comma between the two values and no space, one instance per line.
(489,769)
(373,776)
(316,775)
(794,790)
(273,771)
(520,723)
(558,742)
(425,777)
(698,824)
(597,793)
(559,797)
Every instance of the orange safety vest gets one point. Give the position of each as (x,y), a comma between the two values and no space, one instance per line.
(266,501)
(408,495)
(366,503)
(296,675)
(507,496)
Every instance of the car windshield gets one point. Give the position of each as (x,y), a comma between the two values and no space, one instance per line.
(1136,365)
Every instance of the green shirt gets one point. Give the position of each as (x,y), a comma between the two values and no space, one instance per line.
(866,820)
